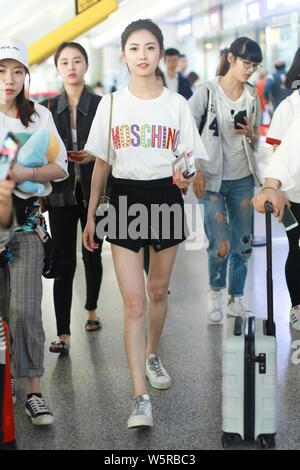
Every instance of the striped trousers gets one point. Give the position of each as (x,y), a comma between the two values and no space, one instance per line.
(20,302)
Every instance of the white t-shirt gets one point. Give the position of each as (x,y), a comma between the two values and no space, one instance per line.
(43,120)
(285,163)
(282,119)
(172,83)
(146,135)
(235,159)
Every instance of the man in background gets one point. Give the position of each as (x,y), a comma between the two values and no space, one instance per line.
(183,65)
(174,80)
(275,90)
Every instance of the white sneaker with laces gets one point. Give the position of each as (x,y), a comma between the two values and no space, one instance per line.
(235,307)
(214,307)
(37,409)
(141,415)
(156,373)
(295,317)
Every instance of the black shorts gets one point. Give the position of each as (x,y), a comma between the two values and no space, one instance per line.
(146,213)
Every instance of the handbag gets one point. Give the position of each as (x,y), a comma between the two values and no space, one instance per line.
(52,267)
(104,199)
(52,263)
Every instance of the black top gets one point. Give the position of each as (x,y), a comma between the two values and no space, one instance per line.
(63,193)
(184,88)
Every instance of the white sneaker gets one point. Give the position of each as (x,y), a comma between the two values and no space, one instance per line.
(214,308)
(295,317)
(156,373)
(236,307)
(142,413)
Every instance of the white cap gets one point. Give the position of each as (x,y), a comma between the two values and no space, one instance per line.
(11,48)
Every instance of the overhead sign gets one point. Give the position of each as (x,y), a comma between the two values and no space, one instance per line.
(81,5)
(78,25)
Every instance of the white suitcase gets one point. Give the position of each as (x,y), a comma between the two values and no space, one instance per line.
(249,373)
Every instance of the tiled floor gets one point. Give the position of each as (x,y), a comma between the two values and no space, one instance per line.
(89,391)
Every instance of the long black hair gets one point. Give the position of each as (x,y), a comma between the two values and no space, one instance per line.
(242,47)
(25,106)
(293,75)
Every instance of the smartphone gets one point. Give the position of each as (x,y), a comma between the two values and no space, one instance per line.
(8,154)
(289,220)
(73,156)
(185,164)
(239,118)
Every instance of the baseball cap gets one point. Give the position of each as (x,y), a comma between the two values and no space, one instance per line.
(11,48)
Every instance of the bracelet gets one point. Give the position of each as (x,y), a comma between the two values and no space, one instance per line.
(249,139)
(35,174)
(269,187)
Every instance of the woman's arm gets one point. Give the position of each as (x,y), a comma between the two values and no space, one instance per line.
(42,174)
(269,193)
(100,174)
(6,188)
(99,178)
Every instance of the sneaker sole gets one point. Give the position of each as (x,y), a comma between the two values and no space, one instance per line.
(40,420)
(230,314)
(139,422)
(158,386)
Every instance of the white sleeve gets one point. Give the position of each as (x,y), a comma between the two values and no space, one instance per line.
(281,120)
(285,163)
(62,159)
(97,142)
(190,140)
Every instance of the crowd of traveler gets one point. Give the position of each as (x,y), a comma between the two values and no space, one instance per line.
(129,140)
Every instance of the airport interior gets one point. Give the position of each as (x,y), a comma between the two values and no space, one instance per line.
(88,385)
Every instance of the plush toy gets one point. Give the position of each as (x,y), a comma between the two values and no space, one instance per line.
(37,150)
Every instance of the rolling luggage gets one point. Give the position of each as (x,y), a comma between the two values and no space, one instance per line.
(7,426)
(249,371)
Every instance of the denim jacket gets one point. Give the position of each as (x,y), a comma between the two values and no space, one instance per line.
(63,193)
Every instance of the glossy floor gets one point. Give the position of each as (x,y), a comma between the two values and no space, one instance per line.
(90,392)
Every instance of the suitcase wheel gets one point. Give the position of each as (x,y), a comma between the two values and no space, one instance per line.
(229,439)
(267,441)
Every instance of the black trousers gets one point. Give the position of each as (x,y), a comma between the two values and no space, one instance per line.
(63,224)
(293,260)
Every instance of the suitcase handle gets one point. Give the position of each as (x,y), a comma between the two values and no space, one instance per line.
(238,326)
(270,325)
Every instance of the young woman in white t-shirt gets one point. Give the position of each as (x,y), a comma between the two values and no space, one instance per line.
(24,272)
(150,125)
(230,172)
(282,120)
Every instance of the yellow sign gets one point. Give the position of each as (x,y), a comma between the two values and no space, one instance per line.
(78,25)
(81,5)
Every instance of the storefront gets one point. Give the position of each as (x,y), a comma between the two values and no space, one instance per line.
(274,24)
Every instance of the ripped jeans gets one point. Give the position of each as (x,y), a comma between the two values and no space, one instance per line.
(228,225)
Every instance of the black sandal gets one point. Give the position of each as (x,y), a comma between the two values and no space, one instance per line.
(96,323)
(59,347)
